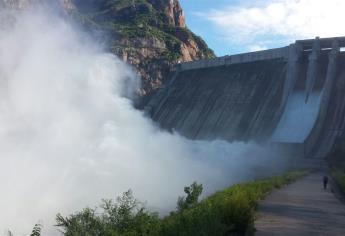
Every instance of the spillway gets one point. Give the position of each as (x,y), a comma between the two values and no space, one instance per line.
(298,118)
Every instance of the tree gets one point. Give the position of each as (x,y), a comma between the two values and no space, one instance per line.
(193,193)
(125,216)
(36,231)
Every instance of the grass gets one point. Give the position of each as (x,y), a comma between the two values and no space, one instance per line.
(228,212)
(339,177)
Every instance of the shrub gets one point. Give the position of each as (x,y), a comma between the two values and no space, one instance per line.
(339,177)
(227,212)
(36,231)
(127,216)
(193,193)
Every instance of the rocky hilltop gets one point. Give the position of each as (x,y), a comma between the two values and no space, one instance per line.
(149,34)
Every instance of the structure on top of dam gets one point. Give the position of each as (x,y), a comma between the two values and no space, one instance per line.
(292,96)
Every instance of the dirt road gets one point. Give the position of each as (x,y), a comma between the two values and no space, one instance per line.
(302,208)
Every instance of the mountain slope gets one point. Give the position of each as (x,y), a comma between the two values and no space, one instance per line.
(149,34)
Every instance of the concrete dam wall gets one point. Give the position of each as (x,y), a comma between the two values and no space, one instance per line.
(293,96)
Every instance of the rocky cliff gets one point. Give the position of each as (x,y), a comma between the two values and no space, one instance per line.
(149,34)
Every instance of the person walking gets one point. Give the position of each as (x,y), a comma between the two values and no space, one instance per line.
(325,181)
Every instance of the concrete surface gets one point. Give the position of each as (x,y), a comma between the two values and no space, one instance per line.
(302,208)
(234,103)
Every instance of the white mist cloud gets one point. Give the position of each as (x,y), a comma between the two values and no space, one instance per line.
(280,21)
(69,136)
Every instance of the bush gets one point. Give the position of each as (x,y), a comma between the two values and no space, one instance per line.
(127,216)
(193,193)
(227,212)
(36,231)
(339,177)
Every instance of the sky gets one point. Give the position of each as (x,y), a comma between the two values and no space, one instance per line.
(236,26)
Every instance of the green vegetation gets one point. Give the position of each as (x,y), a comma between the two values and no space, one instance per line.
(227,212)
(336,161)
(127,217)
(193,193)
(338,175)
(36,231)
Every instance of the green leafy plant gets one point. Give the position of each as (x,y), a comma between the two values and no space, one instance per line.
(125,216)
(193,193)
(339,177)
(36,231)
(227,212)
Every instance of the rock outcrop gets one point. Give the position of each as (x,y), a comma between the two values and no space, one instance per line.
(151,35)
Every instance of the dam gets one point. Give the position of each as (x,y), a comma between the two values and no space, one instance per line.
(292,96)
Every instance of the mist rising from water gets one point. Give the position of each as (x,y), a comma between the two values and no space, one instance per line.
(69,135)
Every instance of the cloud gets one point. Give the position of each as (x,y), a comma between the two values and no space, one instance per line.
(278,21)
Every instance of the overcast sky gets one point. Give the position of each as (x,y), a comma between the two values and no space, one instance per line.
(235,26)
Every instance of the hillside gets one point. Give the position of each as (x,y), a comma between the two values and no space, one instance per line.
(149,34)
